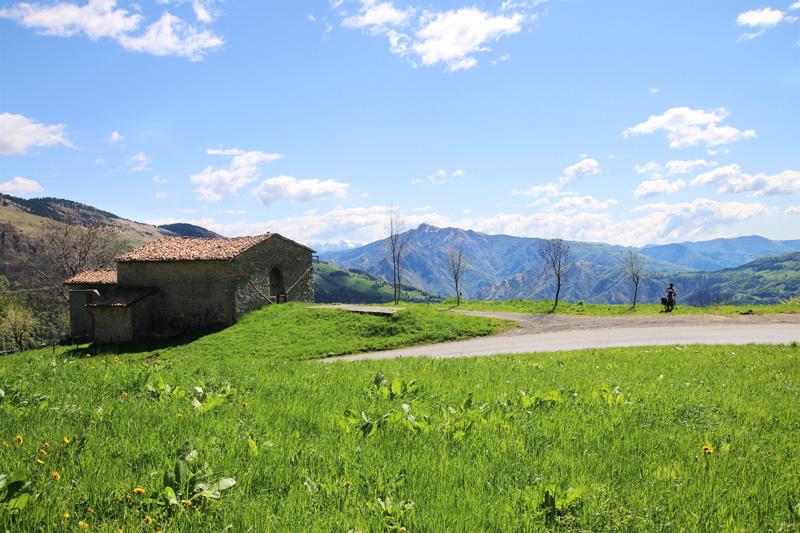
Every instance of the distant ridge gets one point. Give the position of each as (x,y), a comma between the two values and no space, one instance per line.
(189,230)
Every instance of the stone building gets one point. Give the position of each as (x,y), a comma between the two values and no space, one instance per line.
(178,285)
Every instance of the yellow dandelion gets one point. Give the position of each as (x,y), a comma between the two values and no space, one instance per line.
(138,491)
(347,483)
(708,449)
(39,462)
(42,452)
(56,476)
(116,360)
(128,498)
(19,440)
(506,426)
(66,515)
(148,520)
(45,446)
(90,510)
(179,416)
(244,404)
(83,524)
(402,530)
(124,394)
(186,503)
(65,440)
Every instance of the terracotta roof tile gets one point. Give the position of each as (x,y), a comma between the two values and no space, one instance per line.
(94,277)
(192,249)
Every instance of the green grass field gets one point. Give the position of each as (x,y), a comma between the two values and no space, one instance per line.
(611,439)
(568,308)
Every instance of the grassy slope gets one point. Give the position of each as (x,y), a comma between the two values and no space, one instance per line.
(332,284)
(540,306)
(633,449)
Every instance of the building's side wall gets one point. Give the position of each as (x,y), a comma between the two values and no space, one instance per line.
(81,324)
(192,295)
(112,324)
(252,270)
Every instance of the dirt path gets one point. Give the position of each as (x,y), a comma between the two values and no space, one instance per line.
(551,333)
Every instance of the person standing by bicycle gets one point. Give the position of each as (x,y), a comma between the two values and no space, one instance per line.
(671,294)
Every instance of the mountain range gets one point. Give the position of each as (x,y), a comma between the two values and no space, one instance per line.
(505,267)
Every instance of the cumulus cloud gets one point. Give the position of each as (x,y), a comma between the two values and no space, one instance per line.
(654,187)
(451,38)
(20,185)
(687,127)
(440,177)
(584,203)
(585,167)
(18,134)
(731,179)
(139,163)
(762,20)
(97,19)
(652,223)
(115,137)
(215,183)
(290,188)
(685,167)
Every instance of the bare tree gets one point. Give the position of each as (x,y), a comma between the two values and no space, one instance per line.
(67,250)
(396,247)
(557,261)
(633,265)
(457,261)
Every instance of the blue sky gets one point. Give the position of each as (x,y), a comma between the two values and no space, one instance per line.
(623,121)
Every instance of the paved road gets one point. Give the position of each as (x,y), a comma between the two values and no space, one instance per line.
(762,330)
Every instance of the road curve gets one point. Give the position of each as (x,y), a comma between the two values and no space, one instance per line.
(779,333)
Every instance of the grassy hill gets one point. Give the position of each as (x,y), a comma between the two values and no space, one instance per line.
(332,284)
(690,437)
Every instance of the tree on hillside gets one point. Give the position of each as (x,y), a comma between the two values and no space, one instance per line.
(67,250)
(633,265)
(555,253)
(19,323)
(396,245)
(457,263)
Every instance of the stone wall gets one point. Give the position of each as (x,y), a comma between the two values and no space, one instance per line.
(112,324)
(81,323)
(253,274)
(192,295)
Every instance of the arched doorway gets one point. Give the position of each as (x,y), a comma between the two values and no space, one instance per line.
(276,285)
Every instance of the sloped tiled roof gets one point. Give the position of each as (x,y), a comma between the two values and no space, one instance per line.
(122,297)
(193,249)
(94,277)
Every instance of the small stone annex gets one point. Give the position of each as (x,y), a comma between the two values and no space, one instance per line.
(178,285)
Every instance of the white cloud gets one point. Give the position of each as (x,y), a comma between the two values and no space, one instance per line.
(794,210)
(686,166)
(451,38)
(20,185)
(18,134)
(687,127)
(215,183)
(661,223)
(290,188)
(115,137)
(161,195)
(584,203)
(796,5)
(760,18)
(378,15)
(648,168)
(654,187)
(139,162)
(585,167)
(159,180)
(440,177)
(171,36)
(731,179)
(96,19)
(654,90)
